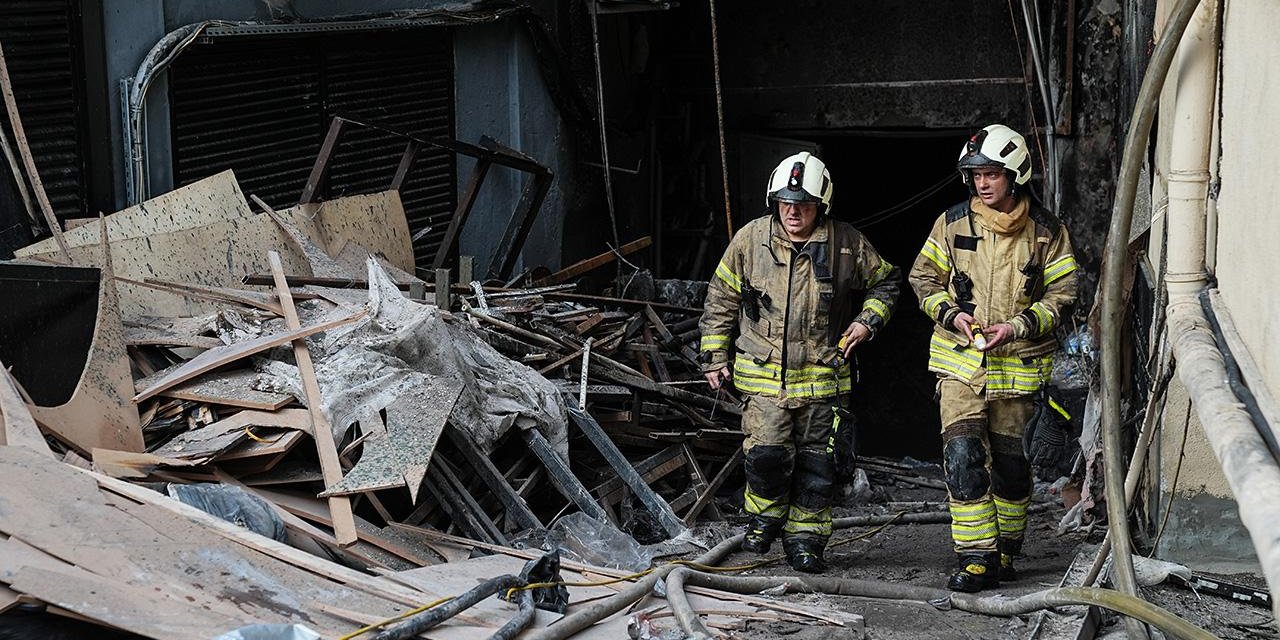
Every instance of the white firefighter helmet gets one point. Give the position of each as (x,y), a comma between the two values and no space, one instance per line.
(996,146)
(800,178)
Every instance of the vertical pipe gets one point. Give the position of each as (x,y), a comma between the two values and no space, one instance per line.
(1188,179)
(1112,303)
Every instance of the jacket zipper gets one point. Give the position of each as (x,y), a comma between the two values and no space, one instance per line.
(786,315)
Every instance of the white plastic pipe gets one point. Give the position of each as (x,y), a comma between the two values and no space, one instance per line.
(1195,78)
(1250,469)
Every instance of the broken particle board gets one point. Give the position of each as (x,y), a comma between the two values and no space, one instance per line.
(202,562)
(98,414)
(226,388)
(19,428)
(398,454)
(375,221)
(209,441)
(134,466)
(213,199)
(215,358)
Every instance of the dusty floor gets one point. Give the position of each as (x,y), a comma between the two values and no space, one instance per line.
(921,554)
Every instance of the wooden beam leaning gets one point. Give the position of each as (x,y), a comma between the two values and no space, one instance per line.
(321,167)
(214,358)
(578,268)
(450,477)
(344,525)
(692,514)
(561,476)
(406,162)
(465,204)
(24,149)
(650,498)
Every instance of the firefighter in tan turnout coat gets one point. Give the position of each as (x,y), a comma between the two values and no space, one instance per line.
(786,289)
(995,276)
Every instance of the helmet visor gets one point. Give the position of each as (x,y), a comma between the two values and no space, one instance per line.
(794,195)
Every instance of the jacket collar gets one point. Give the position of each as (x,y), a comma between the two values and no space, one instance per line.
(820,233)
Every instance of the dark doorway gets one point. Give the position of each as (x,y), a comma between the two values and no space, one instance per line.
(892,187)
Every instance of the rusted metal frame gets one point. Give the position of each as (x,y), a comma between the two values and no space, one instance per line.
(320,169)
(653,502)
(406,162)
(463,212)
(561,476)
(705,498)
(516,508)
(508,251)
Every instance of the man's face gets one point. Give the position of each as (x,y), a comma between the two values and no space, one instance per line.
(798,218)
(992,185)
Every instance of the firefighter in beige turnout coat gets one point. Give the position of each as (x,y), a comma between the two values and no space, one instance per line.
(995,276)
(786,289)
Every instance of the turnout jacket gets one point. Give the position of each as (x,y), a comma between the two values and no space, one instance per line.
(788,303)
(1026,278)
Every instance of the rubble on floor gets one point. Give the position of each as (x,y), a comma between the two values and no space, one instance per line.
(339,443)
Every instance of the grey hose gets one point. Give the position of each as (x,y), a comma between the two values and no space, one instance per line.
(519,622)
(1112,304)
(985,605)
(579,620)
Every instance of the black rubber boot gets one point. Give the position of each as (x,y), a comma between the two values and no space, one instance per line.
(805,553)
(977,571)
(761,532)
(1007,571)
(1009,549)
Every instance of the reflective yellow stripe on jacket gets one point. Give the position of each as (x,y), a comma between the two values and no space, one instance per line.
(937,254)
(1058,268)
(1005,374)
(713,342)
(947,357)
(730,278)
(808,382)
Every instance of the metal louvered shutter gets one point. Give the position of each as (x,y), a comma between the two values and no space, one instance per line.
(43,43)
(261,106)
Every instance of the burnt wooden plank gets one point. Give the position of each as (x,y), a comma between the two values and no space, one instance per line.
(516,508)
(561,476)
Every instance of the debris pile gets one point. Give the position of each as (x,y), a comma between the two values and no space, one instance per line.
(207,370)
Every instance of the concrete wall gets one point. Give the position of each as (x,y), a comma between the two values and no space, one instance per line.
(1248,226)
(499,93)
(1204,528)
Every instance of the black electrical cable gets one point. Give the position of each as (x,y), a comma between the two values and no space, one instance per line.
(1236,380)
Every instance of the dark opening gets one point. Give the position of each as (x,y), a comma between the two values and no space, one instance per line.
(893,188)
(46,327)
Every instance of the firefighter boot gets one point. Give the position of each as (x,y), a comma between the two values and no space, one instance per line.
(761,532)
(1009,548)
(1008,573)
(805,553)
(977,571)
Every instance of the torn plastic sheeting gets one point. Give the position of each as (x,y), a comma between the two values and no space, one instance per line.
(382,357)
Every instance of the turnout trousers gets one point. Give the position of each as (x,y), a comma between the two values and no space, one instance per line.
(988,477)
(789,463)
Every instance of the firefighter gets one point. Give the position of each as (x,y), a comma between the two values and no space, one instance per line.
(799,290)
(995,275)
